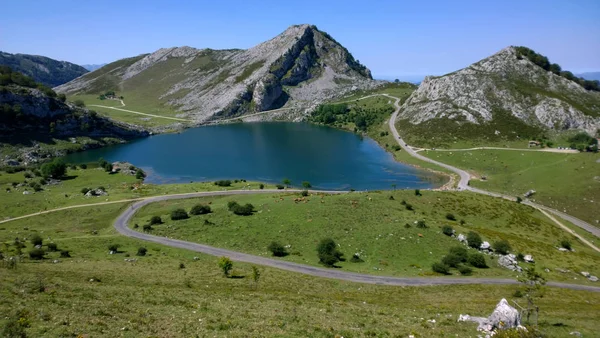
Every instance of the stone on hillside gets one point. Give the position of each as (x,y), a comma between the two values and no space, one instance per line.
(485,246)
(585,274)
(528,259)
(563,249)
(575,333)
(510,262)
(462,238)
(26,192)
(503,317)
(593,278)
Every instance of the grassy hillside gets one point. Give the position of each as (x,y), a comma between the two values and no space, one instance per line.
(566,182)
(44,70)
(155,296)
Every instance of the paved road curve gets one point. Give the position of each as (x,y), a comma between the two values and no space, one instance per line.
(121,226)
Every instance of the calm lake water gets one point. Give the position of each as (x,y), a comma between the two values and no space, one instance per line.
(326,157)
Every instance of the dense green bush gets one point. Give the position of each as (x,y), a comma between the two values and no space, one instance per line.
(447,230)
(306,185)
(277,249)
(356,259)
(328,253)
(226,265)
(477,260)
(65,254)
(304,193)
(223,183)
(141,251)
(147,228)
(502,247)
(200,209)
(261,186)
(52,247)
(37,253)
(460,252)
(280,186)
(565,243)
(440,268)
(244,210)
(55,169)
(465,270)
(155,220)
(140,174)
(36,239)
(421,224)
(474,240)
(450,217)
(178,214)
(451,260)
(83,166)
(114,247)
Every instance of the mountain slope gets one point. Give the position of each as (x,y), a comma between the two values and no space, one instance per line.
(35,122)
(93,67)
(44,70)
(297,69)
(501,97)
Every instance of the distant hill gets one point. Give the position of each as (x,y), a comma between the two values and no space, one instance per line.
(299,68)
(44,70)
(590,76)
(92,68)
(515,93)
(32,114)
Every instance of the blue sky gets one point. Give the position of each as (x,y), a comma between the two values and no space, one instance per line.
(392,38)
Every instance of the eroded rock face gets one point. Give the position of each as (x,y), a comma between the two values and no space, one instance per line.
(510,262)
(505,83)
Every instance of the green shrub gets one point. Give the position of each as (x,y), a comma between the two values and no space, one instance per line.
(474,240)
(418,192)
(244,210)
(37,253)
(231,205)
(520,257)
(147,228)
(460,252)
(140,174)
(200,209)
(261,186)
(447,230)
(328,253)
(440,268)
(178,214)
(304,193)
(477,260)
(223,183)
(155,220)
(306,185)
(356,259)
(52,247)
(421,224)
(450,217)
(114,247)
(502,247)
(83,166)
(451,260)
(65,254)
(280,186)
(141,251)
(465,270)
(85,190)
(56,169)
(226,265)
(408,206)
(277,249)
(566,244)
(36,239)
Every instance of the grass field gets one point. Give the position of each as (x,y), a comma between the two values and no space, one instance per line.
(374,226)
(566,182)
(68,191)
(101,295)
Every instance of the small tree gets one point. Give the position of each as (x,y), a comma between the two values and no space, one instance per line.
(304,193)
(286,182)
(440,268)
(37,254)
(140,174)
(451,260)
(178,214)
(147,228)
(447,230)
(155,220)
(465,270)
(52,247)
(477,260)
(277,249)
(565,243)
(255,275)
(55,169)
(36,239)
(114,247)
(450,217)
(460,252)
(519,199)
(79,103)
(328,252)
(200,209)
(261,186)
(226,265)
(421,224)
(533,283)
(141,251)
(418,192)
(279,186)
(83,166)
(502,247)
(474,240)
(306,185)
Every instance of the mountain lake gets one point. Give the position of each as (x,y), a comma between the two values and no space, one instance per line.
(328,158)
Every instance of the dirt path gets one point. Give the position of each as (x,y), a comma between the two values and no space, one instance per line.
(136,112)
(547,150)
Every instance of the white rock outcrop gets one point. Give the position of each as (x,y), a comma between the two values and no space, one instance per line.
(503,317)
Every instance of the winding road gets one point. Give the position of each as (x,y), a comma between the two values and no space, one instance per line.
(121,226)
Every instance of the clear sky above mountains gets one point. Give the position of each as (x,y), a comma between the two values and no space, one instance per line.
(392,38)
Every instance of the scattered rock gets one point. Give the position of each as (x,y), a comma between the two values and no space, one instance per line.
(593,278)
(131,260)
(528,259)
(55,261)
(503,317)
(562,270)
(575,333)
(585,274)
(546,270)
(26,192)
(111,252)
(510,262)
(563,249)
(38,246)
(485,246)
(462,238)
(196,258)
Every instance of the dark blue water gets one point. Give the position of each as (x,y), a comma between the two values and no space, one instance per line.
(326,157)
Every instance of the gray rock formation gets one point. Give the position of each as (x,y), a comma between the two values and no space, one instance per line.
(505,85)
(528,258)
(296,70)
(485,246)
(510,262)
(503,317)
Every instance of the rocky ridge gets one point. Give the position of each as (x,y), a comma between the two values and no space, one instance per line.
(300,68)
(42,69)
(504,83)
